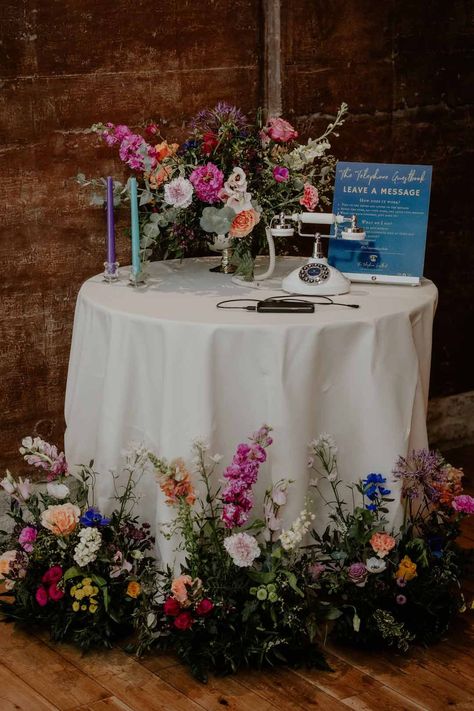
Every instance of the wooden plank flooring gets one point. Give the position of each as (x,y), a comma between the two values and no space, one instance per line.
(37,675)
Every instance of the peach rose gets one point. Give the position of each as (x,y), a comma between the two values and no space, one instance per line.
(244,223)
(179,588)
(159,176)
(6,559)
(382,543)
(134,589)
(61,519)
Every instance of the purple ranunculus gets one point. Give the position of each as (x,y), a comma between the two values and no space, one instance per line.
(281,174)
(357,573)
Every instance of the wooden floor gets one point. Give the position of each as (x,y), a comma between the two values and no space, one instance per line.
(36,675)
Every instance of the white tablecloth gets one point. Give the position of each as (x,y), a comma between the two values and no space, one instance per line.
(164,366)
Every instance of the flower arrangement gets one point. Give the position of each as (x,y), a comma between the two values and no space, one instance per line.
(381,587)
(231,175)
(239,598)
(249,591)
(66,566)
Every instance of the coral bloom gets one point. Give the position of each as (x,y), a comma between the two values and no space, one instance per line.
(179,588)
(61,519)
(159,176)
(280,130)
(134,589)
(310,197)
(244,223)
(178,485)
(406,569)
(382,543)
(163,150)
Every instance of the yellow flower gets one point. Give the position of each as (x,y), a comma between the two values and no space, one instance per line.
(79,594)
(95,590)
(88,590)
(134,589)
(72,591)
(406,569)
(86,581)
(83,607)
(92,608)
(75,606)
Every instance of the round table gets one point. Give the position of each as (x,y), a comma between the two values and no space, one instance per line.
(164,366)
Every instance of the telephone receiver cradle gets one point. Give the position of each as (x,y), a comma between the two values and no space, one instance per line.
(316,277)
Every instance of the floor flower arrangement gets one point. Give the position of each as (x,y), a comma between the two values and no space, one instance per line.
(249,592)
(231,175)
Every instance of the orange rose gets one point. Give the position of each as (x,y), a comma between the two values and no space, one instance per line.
(243,223)
(382,543)
(163,150)
(134,589)
(61,519)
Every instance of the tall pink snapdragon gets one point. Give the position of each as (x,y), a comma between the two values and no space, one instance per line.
(241,476)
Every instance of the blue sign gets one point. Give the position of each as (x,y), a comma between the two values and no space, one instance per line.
(391,203)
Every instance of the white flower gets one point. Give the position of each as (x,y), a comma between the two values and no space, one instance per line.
(324,442)
(242,548)
(24,488)
(90,540)
(293,537)
(239,202)
(237,182)
(137,555)
(179,192)
(8,483)
(375,565)
(279,495)
(57,491)
(216,458)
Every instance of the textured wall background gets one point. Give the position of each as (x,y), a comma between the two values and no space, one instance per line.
(403,68)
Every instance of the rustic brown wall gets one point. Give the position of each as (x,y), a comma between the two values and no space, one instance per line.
(65,64)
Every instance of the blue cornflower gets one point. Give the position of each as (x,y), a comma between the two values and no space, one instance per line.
(93,517)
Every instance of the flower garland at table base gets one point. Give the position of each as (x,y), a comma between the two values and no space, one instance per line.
(249,593)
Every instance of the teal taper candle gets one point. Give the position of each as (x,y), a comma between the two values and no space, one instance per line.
(135,226)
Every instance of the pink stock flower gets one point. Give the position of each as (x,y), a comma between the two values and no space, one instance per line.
(281,174)
(27,537)
(280,130)
(463,504)
(310,197)
(207,181)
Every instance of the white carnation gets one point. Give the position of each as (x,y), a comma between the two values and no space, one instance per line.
(242,548)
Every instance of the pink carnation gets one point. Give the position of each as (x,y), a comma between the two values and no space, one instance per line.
(310,197)
(463,504)
(207,181)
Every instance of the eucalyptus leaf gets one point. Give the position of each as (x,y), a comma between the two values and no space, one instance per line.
(145,198)
(217,220)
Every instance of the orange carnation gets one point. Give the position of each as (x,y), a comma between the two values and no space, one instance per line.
(164,150)
(159,176)
(243,223)
(382,543)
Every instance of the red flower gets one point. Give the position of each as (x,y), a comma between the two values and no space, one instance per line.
(183,621)
(53,575)
(171,607)
(41,596)
(152,129)
(209,142)
(55,593)
(204,607)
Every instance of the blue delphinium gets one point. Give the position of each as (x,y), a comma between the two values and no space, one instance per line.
(93,517)
(374,490)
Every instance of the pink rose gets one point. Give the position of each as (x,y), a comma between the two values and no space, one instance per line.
(41,596)
(310,197)
(280,130)
(53,575)
(183,621)
(55,593)
(27,537)
(204,607)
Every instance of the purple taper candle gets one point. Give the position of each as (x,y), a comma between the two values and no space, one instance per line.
(110,222)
